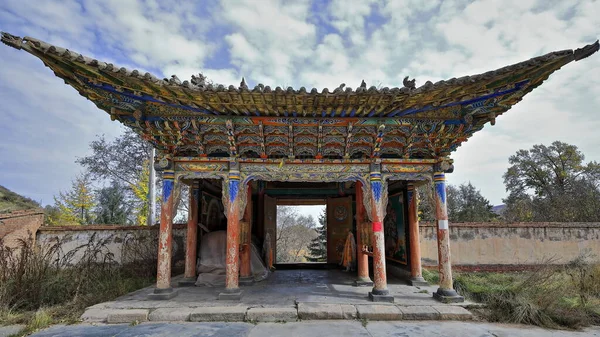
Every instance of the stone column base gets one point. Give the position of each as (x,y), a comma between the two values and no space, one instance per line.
(246,281)
(448,296)
(418,282)
(187,282)
(381,296)
(363,282)
(162,294)
(230,294)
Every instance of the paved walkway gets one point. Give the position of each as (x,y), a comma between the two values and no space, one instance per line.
(287,295)
(312,329)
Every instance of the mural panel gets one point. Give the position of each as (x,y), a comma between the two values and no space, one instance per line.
(339,223)
(212,216)
(395,229)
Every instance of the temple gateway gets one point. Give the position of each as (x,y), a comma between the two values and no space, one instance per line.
(362,150)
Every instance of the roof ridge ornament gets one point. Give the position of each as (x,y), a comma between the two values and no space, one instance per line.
(410,84)
(581,53)
(11,40)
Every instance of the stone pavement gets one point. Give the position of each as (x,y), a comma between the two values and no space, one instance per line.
(312,329)
(6,331)
(287,295)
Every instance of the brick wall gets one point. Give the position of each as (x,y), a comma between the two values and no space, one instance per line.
(18,225)
(505,246)
(125,243)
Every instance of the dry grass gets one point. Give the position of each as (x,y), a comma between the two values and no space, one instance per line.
(43,286)
(549,296)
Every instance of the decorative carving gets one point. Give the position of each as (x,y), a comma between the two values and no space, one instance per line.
(580,53)
(11,40)
(410,84)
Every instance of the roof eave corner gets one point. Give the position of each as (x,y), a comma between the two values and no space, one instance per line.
(12,40)
(581,53)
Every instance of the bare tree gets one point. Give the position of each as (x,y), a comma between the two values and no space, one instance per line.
(294,234)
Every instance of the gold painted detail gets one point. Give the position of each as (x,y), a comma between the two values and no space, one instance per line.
(308,168)
(403,168)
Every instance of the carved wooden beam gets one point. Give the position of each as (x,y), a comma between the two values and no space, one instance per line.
(319,142)
(378,141)
(262,140)
(199,138)
(291,140)
(348,137)
(231,138)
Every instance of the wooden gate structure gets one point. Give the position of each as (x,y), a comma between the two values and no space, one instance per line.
(372,138)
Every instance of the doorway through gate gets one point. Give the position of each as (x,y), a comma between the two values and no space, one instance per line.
(286,222)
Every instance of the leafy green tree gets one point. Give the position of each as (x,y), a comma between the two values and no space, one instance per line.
(111,207)
(466,204)
(318,246)
(74,206)
(552,183)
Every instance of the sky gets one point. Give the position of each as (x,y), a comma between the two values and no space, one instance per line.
(45,125)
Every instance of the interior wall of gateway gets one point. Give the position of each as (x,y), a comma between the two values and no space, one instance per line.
(211,215)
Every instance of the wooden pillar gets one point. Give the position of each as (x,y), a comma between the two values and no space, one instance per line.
(363,278)
(380,292)
(445,292)
(232,254)
(191,242)
(165,240)
(246,277)
(416,278)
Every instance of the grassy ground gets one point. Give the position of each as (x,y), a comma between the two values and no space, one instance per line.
(552,297)
(41,286)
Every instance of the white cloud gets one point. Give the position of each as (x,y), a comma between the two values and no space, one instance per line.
(283,43)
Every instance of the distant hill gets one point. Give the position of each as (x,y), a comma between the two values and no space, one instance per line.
(499,209)
(11,201)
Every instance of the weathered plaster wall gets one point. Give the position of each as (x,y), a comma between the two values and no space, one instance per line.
(512,244)
(126,243)
(19,225)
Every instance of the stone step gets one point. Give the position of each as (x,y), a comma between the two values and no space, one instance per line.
(304,311)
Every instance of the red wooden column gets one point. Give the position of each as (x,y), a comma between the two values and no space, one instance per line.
(165,241)
(416,278)
(445,292)
(246,277)
(191,237)
(363,279)
(232,267)
(380,292)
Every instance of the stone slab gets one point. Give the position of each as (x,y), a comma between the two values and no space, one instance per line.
(230,296)
(9,330)
(272,315)
(127,315)
(95,315)
(187,282)
(379,312)
(419,313)
(170,315)
(218,314)
(381,298)
(319,311)
(163,296)
(448,299)
(453,312)
(363,283)
(311,329)
(349,311)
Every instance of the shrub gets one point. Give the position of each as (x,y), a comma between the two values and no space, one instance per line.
(64,283)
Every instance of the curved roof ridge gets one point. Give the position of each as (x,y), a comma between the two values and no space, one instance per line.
(197,83)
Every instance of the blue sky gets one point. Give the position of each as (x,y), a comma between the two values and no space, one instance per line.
(45,125)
